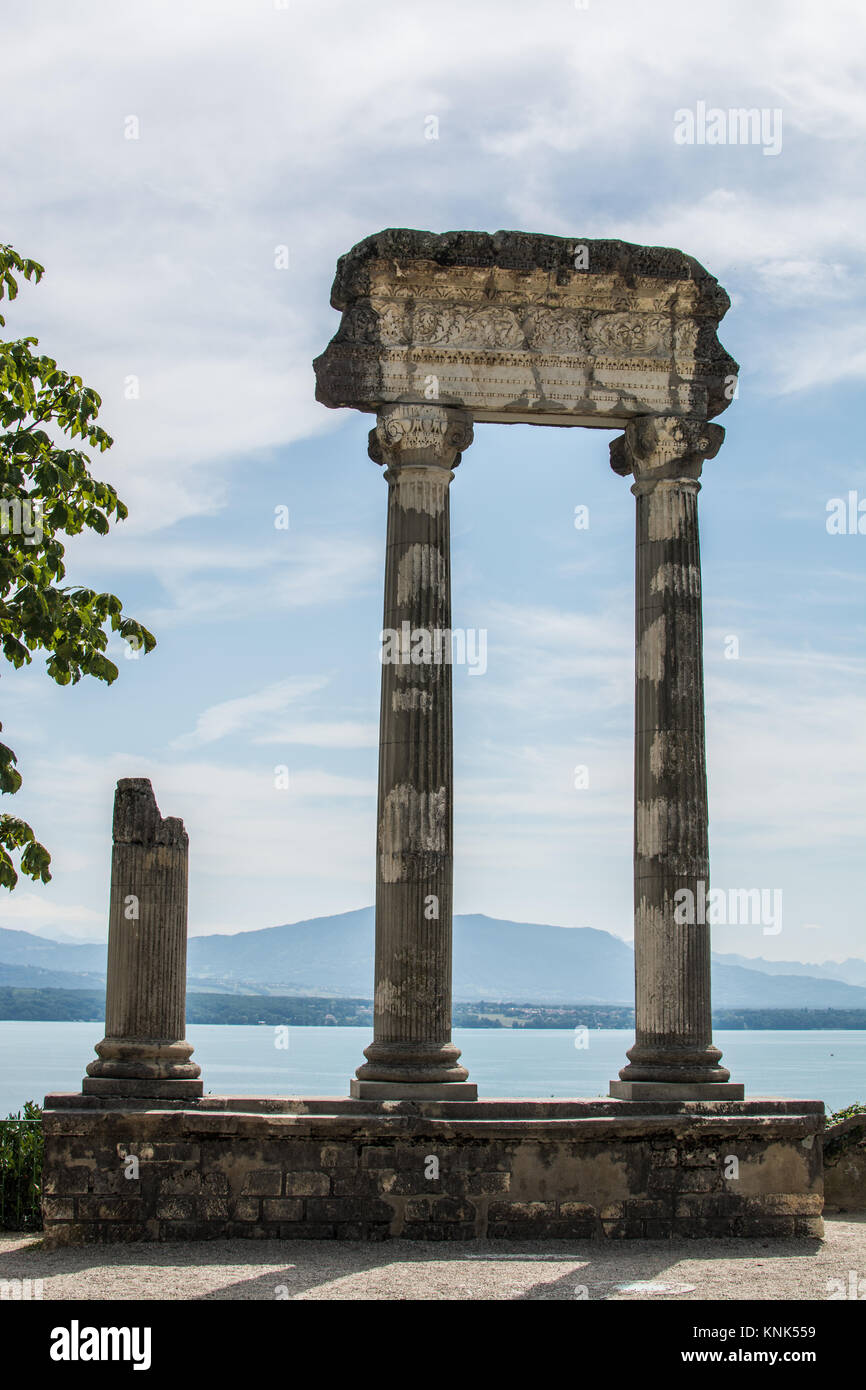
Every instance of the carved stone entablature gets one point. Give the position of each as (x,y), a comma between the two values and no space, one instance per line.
(506,327)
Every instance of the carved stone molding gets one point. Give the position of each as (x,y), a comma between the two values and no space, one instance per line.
(410,435)
(654,448)
(509,329)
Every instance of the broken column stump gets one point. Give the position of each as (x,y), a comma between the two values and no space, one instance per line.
(144,1051)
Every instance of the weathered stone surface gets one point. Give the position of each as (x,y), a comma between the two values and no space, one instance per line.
(515,326)
(532,1169)
(844,1145)
(412,1049)
(439,331)
(673,1015)
(672,1090)
(144,1051)
(421,1090)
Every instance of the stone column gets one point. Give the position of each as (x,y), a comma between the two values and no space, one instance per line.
(673,1055)
(412,1053)
(144,1051)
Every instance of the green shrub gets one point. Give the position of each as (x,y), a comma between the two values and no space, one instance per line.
(855,1109)
(21,1147)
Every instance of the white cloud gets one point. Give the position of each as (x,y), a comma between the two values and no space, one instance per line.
(226,583)
(304,127)
(236,716)
(262,127)
(21,909)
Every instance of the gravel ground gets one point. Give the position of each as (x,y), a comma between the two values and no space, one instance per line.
(400,1270)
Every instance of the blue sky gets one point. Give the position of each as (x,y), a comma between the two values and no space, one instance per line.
(302,125)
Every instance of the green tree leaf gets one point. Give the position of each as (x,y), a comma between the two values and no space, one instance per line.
(47,492)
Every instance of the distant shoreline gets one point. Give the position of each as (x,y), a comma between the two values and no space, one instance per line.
(87,1006)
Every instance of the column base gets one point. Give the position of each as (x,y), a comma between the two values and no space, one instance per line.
(157,1067)
(662,1063)
(413,1064)
(677,1090)
(412,1090)
(146,1088)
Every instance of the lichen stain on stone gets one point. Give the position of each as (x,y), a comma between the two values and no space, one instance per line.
(412,822)
(412,699)
(386,997)
(651,652)
(666,514)
(402,997)
(652,823)
(660,753)
(419,567)
(556,1172)
(423,494)
(677,579)
(776,1169)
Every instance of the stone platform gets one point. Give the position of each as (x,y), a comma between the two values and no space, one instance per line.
(360,1170)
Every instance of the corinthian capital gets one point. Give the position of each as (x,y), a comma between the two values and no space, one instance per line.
(655,447)
(427,436)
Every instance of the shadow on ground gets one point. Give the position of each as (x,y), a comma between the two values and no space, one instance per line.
(405,1270)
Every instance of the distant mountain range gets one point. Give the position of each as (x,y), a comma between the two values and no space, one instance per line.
(521,962)
(852,971)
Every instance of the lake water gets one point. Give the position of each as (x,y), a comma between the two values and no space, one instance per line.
(36,1058)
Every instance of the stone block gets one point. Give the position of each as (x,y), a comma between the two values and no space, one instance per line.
(213,1208)
(176,1208)
(438,1209)
(62,1179)
(629,1228)
(282,1209)
(263,1182)
(340,1156)
(245,1209)
(413,1090)
(110,1209)
(676,1091)
(408,1184)
(307,1184)
(358,1182)
(113,1181)
(58,1208)
(364,1209)
(522,1213)
(181,1182)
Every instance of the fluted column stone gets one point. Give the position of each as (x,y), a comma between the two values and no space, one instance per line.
(412,1053)
(673,1054)
(144,1051)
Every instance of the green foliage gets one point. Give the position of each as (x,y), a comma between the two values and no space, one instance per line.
(45,477)
(855,1109)
(21,1150)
